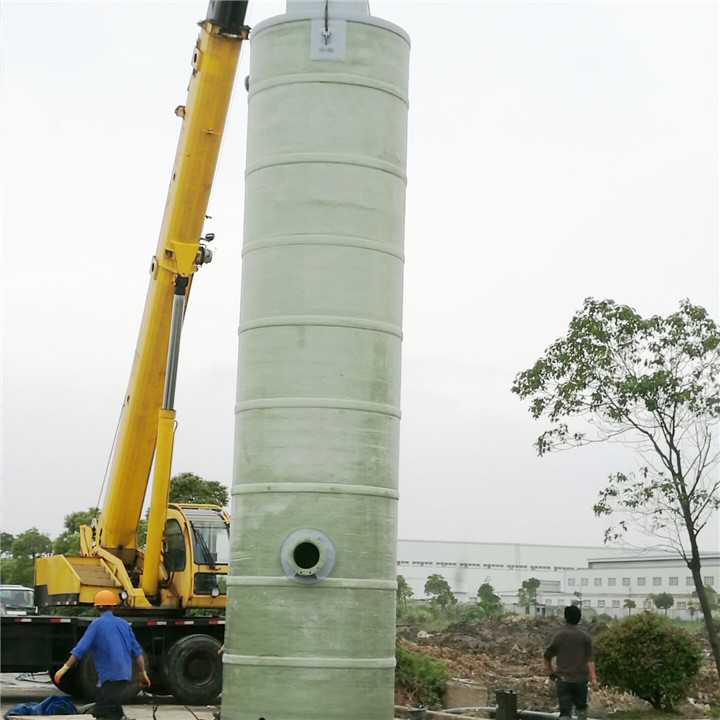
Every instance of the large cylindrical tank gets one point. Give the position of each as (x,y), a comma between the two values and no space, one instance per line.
(311,592)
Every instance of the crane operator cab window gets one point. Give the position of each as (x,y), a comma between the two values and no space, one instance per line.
(211,547)
(174,546)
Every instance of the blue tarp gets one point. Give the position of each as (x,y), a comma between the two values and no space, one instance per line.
(53,705)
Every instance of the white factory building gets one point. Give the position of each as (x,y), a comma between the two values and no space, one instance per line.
(600,578)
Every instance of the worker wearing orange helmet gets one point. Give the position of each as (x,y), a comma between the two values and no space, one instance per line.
(114,647)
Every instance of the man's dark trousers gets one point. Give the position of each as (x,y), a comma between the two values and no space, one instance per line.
(108,704)
(569,694)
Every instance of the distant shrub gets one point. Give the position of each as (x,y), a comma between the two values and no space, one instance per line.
(648,656)
(418,615)
(424,678)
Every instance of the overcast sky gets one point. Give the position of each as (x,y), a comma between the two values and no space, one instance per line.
(556,151)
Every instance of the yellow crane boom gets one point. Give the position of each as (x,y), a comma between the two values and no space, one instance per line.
(178,254)
(109,553)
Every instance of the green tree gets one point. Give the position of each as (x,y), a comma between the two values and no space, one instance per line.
(190,488)
(441,595)
(692,609)
(650,657)
(527,593)
(68,542)
(653,383)
(20,568)
(6,541)
(488,601)
(662,601)
(404,592)
(31,544)
(630,604)
(712,597)
(578,599)
(142,532)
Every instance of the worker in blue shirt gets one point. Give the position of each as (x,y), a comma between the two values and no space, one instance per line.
(114,647)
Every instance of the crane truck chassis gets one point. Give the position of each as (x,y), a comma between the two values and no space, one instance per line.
(181,653)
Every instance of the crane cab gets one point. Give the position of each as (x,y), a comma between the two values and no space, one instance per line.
(196,552)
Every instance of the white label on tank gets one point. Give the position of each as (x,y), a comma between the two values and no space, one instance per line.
(328,43)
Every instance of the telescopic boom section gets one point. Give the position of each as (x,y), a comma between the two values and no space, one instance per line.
(178,254)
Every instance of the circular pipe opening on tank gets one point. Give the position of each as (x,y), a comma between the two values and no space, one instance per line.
(307,556)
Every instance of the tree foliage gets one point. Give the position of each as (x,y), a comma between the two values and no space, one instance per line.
(441,595)
(190,488)
(488,601)
(662,601)
(6,541)
(404,592)
(712,597)
(630,604)
(20,568)
(650,657)
(654,384)
(31,544)
(68,542)
(527,593)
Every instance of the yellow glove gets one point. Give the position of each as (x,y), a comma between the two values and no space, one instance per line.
(144,679)
(58,675)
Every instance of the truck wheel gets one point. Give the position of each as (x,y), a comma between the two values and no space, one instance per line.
(88,678)
(69,683)
(194,669)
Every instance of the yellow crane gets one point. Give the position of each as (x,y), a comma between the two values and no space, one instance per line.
(185,557)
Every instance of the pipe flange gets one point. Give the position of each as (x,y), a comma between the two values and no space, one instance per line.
(307,556)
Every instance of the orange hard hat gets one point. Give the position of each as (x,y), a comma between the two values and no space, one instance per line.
(105,597)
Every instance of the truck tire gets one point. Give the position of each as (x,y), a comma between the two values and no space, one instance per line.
(193,669)
(69,683)
(88,678)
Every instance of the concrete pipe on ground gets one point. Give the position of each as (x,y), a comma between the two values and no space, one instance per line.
(311,591)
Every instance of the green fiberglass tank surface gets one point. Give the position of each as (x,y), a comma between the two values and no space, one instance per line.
(310,629)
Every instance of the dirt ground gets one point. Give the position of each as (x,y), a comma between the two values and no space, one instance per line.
(506,654)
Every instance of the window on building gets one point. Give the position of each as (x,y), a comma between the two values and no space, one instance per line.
(673,581)
(586,603)
(616,603)
(583,581)
(709,580)
(612,582)
(571,581)
(548,602)
(681,606)
(598,582)
(601,603)
(641,581)
(657,581)
(689,580)
(403,562)
(647,604)
(626,582)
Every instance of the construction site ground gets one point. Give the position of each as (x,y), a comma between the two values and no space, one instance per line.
(505,653)
(483,657)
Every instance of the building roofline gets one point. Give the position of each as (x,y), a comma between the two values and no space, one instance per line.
(508,544)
